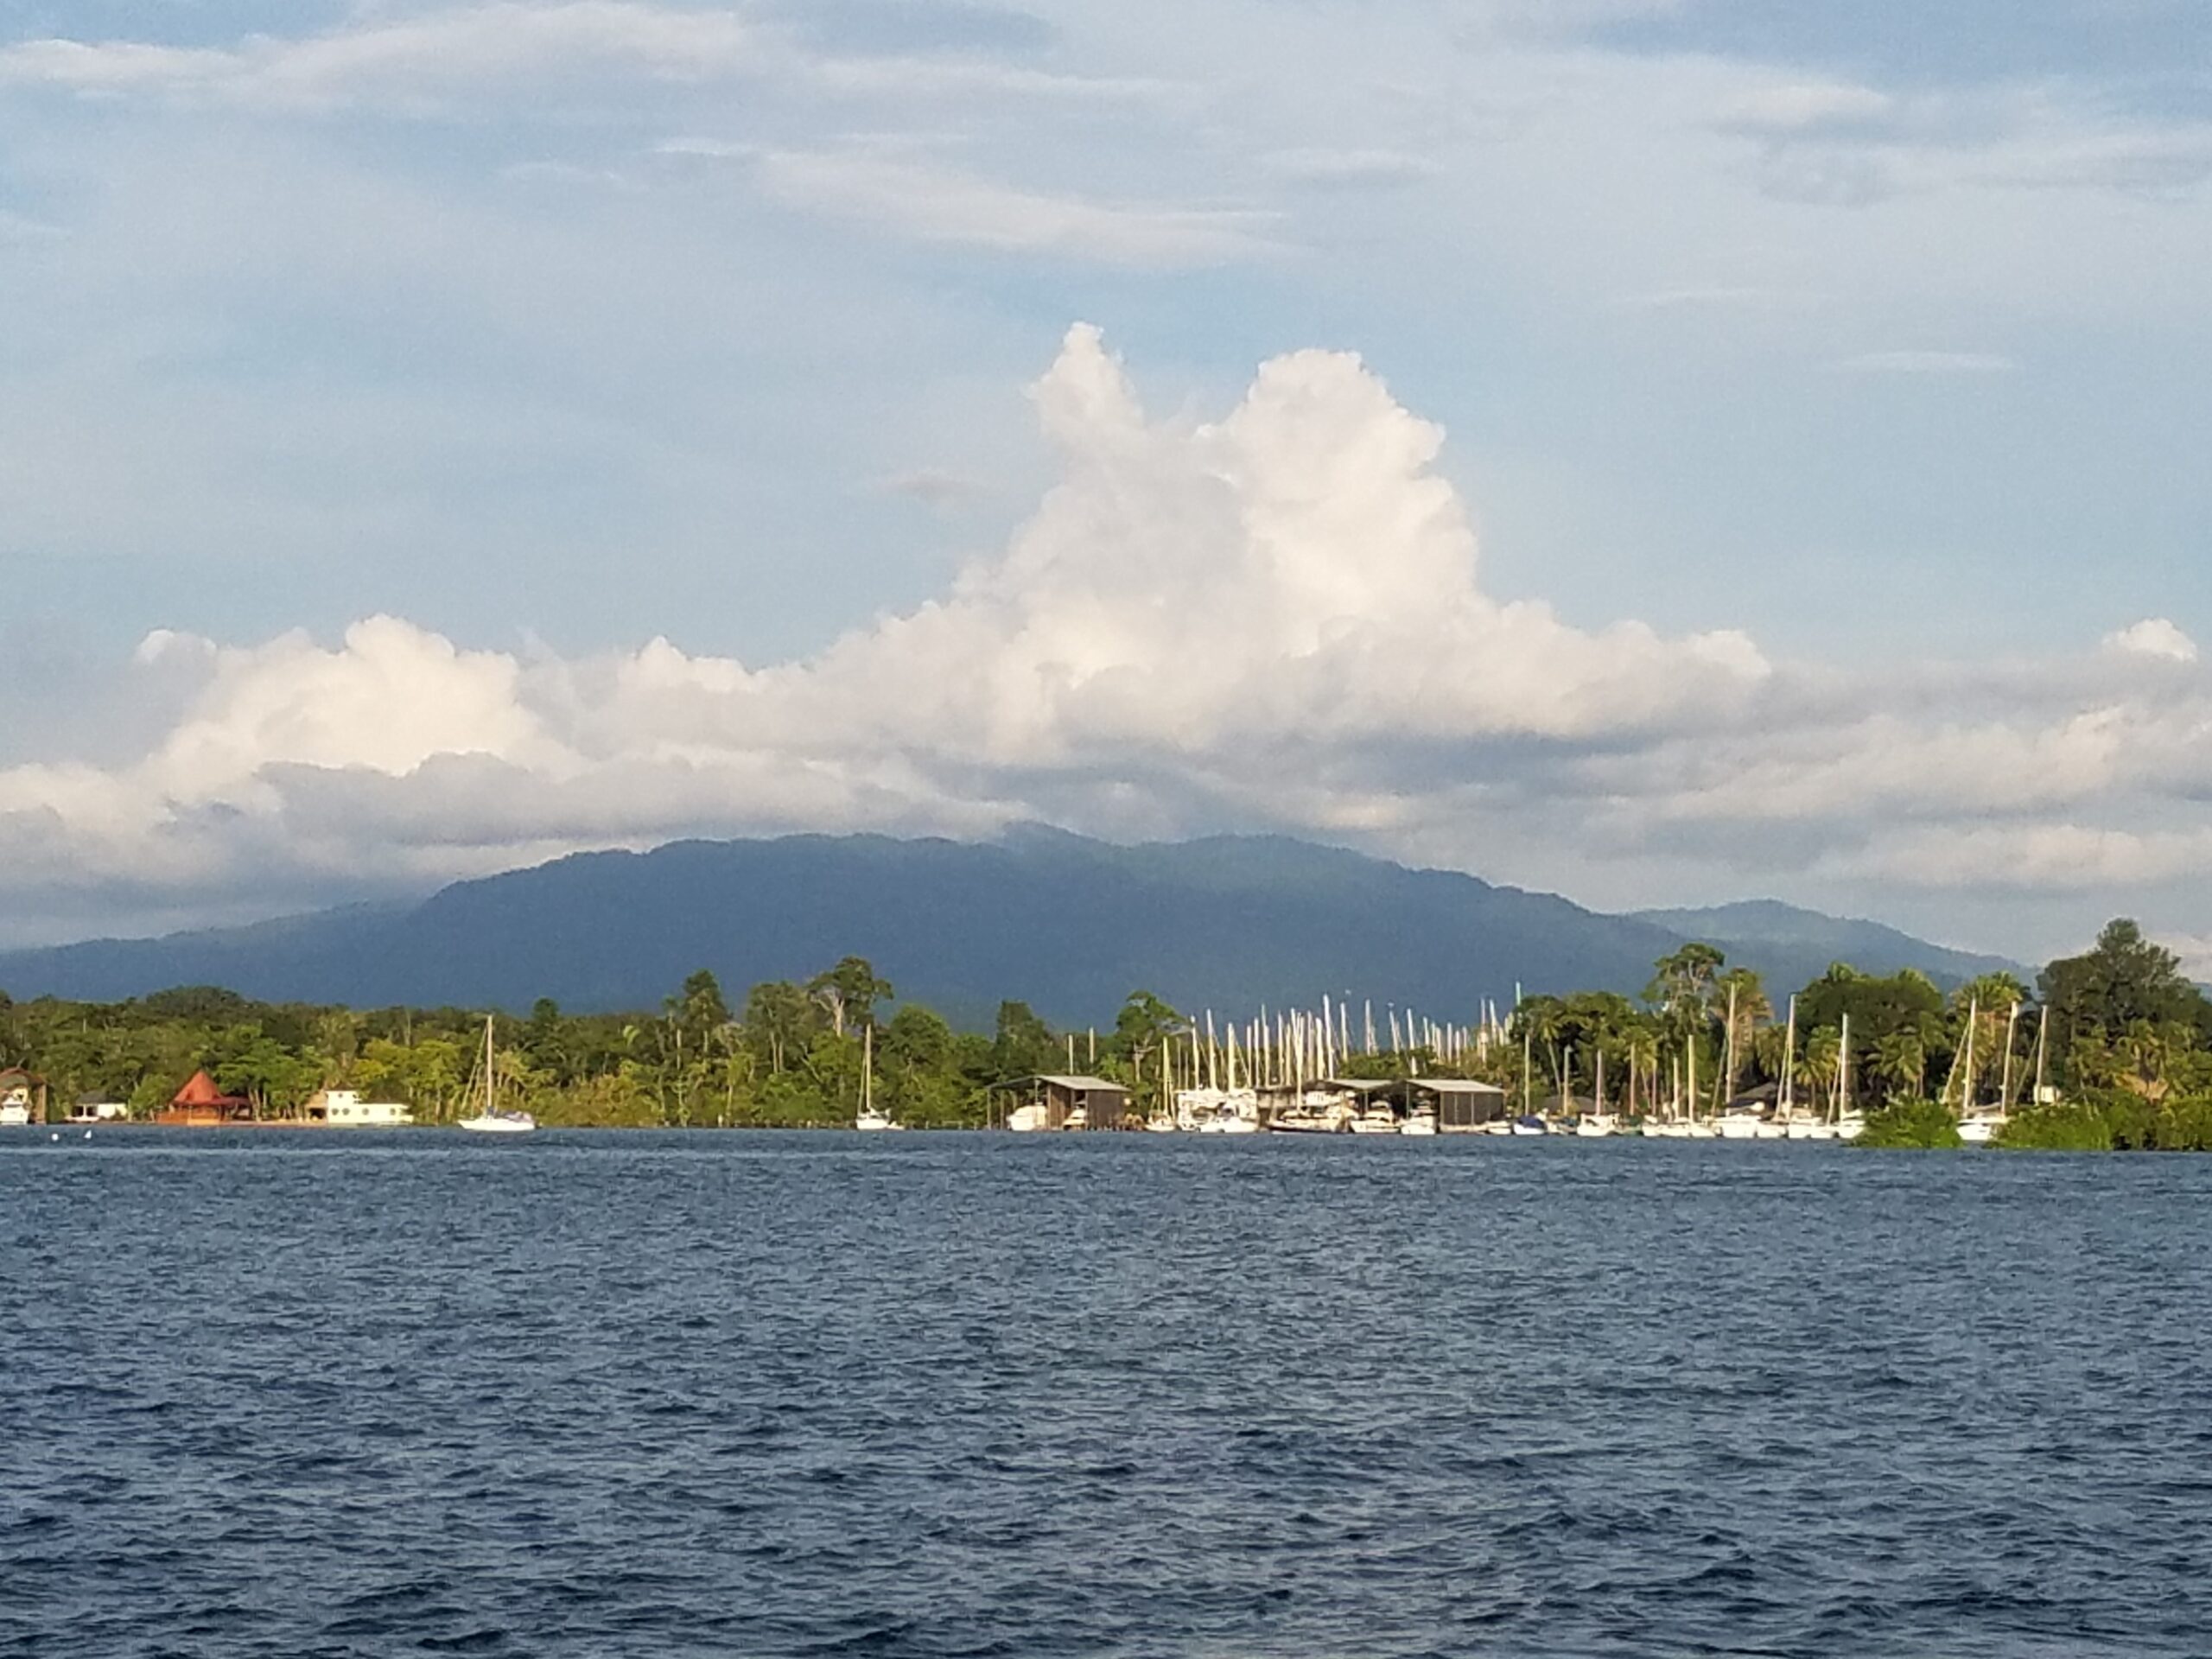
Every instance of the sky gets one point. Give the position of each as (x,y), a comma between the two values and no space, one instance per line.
(1661,451)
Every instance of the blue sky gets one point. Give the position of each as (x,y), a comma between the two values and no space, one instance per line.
(1875,335)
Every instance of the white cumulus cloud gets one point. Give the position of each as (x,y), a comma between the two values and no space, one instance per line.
(1276,618)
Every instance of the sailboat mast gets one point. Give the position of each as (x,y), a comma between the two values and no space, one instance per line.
(2005,1086)
(1843,1070)
(2043,1047)
(1789,1063)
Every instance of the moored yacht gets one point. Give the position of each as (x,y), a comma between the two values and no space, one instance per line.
(1979,1128)
(495,1119)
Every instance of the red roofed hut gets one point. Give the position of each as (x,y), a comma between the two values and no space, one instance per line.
(200,1104)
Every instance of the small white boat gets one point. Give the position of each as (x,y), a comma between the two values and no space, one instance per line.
(1376,1119)
(499,1122)
(1739,1126)
(1026,1120)
(1596,1125)
(493,1118)
(870,1117)
(1979,1128)
(1161,1123)
(1229,1121)
(14,1115)
(1529,1124)
(1421,1122)
(1850,1126)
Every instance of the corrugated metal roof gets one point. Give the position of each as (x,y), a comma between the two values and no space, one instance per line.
(1089,1084)
(1455,1086)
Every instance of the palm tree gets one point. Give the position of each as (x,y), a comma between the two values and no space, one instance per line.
(1901,1060)
(1744,997)
(1817,1072)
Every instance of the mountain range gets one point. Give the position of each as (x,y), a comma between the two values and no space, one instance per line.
(1067,924)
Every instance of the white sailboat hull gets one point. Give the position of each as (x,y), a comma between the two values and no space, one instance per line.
(489,1125)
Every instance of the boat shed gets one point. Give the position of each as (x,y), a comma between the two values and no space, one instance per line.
(1081,1102)
(1463,1105)
(25,1090)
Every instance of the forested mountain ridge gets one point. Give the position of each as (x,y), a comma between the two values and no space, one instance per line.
(1229,922)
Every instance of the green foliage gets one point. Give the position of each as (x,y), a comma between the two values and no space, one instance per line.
(1879,1007)
(2072,1126)
(2123,995)
(1916,1124)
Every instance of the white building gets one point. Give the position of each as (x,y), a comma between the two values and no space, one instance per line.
(342,1109)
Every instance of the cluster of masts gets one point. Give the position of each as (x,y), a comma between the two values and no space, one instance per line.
(1292,1048)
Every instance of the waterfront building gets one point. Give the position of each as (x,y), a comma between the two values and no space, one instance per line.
(1463,1106)
(23,1096)
(1068,1103)
(200,1104)
(343,1108)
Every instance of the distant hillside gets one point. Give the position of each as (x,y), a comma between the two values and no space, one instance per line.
(1071,926)
(1765,925)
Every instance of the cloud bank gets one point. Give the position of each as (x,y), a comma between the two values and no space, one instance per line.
(1272,620)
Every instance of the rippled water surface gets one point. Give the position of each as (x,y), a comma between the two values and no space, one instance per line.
(971,1395)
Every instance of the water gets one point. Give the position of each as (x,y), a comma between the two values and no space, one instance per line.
(971,1395)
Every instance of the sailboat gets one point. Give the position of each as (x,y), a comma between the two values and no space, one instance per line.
(1982,1126)
(871,1118)
(493,1120)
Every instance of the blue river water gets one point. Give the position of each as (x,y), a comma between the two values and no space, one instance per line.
(594,1395)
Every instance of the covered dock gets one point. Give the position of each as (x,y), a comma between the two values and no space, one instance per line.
(1463,1105)
(1067,1102)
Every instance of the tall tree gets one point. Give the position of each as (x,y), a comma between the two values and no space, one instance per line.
(850,991)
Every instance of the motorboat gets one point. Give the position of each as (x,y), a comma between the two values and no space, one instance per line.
(1739,1126)
(1420,1122)
(1025,1120)
(1597,1125)
(1531,1123)
(1376,1119)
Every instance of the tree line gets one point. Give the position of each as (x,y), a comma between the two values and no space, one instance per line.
(2118,1039)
